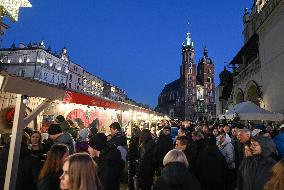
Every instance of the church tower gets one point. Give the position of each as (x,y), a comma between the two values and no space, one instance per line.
(205,77)
(188,79)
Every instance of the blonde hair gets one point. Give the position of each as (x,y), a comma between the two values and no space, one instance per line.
(83,172)
(175,156)
(276,181)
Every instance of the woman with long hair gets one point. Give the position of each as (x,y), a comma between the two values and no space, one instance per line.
(276,181)
(80,173)
(146,164)
(35,144)
(52,168)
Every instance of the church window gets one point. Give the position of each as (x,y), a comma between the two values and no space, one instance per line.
(190,71)
(208,79)
(208,71)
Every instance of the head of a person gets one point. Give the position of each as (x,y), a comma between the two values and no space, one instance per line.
(226,129)
(222,137)
(54,131)
(244,135)
(181,143)
(261,145)
(276,181)
(175,156)
(197,135)
(247,151)
(235,132)
(167,130)
(205,129)
(79,172)
(136,132)
(145,136)
(59,119)
(153,130)
(181,132)
(35,138)
(96,144)
(215,132)
(54,161)
(114,128)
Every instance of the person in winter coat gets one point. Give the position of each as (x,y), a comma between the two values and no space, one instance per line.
(163,146)
(108,158)
(146,161)
(175,175)
(211,167)
(28,168)
(52,168)
(279,141)
(189,150)
(56,134)
(82,143)
(133,156)
(227,150)
(256,170)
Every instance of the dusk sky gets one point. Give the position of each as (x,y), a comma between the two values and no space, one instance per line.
(133,44)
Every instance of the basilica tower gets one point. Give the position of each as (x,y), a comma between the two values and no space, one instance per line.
(188,79)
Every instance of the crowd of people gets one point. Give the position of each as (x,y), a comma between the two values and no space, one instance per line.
(202,156)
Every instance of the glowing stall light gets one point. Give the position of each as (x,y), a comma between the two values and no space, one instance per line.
(11,7)
(63,106)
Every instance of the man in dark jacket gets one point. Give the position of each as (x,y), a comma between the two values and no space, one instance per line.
(211,167)
(56,134)
(109,161)
(189,149)
(164,145)
(117,137)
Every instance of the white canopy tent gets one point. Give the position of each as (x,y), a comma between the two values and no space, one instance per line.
(250,111)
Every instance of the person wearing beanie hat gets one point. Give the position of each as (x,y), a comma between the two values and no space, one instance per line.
(109,161)
(59,137)
(82,143)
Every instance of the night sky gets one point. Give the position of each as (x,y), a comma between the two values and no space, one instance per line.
(133,44)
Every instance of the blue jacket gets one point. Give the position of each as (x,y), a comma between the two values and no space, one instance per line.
(279,141)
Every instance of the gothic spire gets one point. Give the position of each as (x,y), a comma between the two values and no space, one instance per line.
(205,52)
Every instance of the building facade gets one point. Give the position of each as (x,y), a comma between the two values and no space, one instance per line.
(37,62)
(191,96)
(258,66)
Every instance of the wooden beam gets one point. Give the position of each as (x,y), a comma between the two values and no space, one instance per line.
(36,111)
(15,144)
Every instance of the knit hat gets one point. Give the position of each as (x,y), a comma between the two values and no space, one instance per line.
(60,119)
(54,129)
(98,142)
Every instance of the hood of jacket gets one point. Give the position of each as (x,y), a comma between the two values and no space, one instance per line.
(267,145)
(175,174)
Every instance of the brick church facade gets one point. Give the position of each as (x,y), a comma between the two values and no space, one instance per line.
(191,96)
